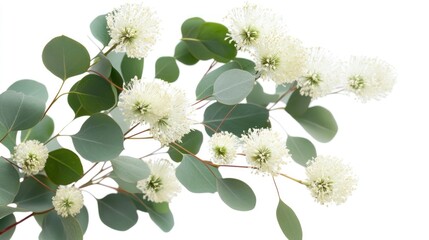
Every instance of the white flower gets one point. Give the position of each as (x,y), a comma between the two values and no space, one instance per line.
(265,150)
(67,201)
(31,156)
(145,101)
(369,78)
(280,59)
(248,23)
(321,74)
(162,184)
(133,29)
(329,180)
(223,147)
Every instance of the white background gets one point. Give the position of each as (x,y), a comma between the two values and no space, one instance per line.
(385,141)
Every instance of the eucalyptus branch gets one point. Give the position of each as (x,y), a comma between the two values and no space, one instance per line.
(10,227)
(54,100)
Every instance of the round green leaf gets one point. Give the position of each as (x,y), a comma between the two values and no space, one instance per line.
(129,187)
(99,139)
(9,182)
(297,104)
(301,149)
(319,123)
(232,86)
(191,142)
(196,176)
(258,97)
(159,212)
(64,57)
(131,67)
(91,95)
(288,221)
(236,194)
(19,111)
(117,211)
(83,219)
(236,119)
(182,54)
(63,167)
(34,196)
(166,69)
(30,88)
(4,223)
(57,227)
(190,26)
(130,169)
(99,29)
(41,132)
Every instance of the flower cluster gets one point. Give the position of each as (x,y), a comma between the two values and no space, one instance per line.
(67,201)
(283,59)
(160,105)
(31,156)
(162,184)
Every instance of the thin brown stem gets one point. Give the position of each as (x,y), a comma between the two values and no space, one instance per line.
(282,96)
(210,68)
(42,183)
(132,128)
(226,116)
(22,220)
(54,100)
(135,134)
(277,188)
(105,78)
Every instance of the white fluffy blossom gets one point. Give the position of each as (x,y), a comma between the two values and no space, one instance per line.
(31,156)
(223,147)
(329,180)
(280,59)
(265,150)
(160,105)
(133,29)
(248,23)
(162,184)
(322,74)
(369,78)
(67,201)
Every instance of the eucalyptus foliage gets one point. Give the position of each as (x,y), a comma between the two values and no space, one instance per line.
(230,97)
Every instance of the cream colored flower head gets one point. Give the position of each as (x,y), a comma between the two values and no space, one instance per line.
(322,74)
(265,150)
(133,28)
(369,78)
(329,180)
(223,147)
(30,156)
(162,184)
(67,201)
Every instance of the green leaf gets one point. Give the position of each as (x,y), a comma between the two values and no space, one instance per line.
(64,57)
(117,211)
(99,29)
(63,167)
(115,59)
(258,97)
(10,140)
(83,219)
(130,169)
(4,223)
(285,88)
(190,27)
(166,69)
(129,187)
(91,95)
(99,139)
(232,86)
(4,211)
(34,196)
(119,119)
(196,176)
(9,182)
(116,78)
(19,111)
(236,119)
(205,86)
(236,194)
(56,227)
(42,131)
(101,65)
(182,54)
(30,88)
(288,222)
(319,123)
(159,212)
(301,149)
(131,67)
(191,141)
(297,104)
